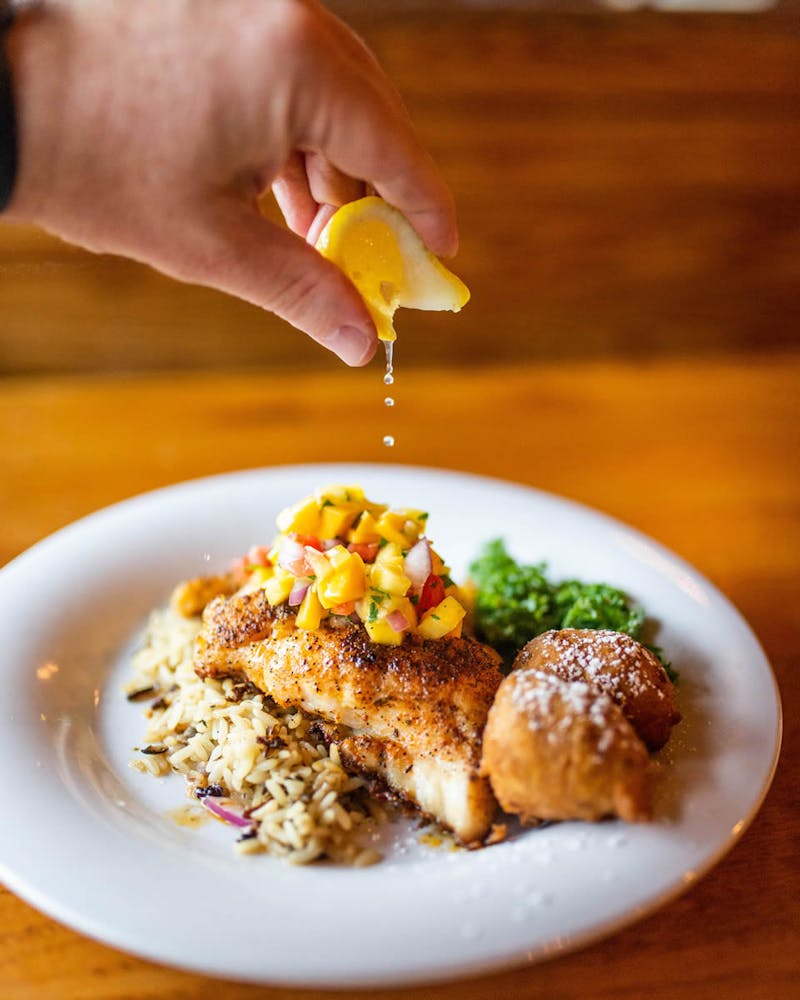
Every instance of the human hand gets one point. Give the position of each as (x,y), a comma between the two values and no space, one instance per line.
(150,129)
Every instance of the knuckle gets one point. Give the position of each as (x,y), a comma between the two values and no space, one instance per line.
(296,22)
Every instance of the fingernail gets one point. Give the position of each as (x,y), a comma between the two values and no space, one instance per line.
(352,344)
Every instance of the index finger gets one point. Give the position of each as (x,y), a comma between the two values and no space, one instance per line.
(349,111)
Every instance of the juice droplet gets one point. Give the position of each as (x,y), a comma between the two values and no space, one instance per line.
(388,378)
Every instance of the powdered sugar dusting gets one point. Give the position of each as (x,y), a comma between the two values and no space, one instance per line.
(609,661)
(542,697)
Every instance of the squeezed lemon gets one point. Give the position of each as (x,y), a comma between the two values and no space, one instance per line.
(381,253)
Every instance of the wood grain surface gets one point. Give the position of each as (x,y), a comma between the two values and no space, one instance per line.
(701,454)
(626,184)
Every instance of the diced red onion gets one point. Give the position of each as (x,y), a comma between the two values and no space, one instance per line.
(292,557)
(298,591)
(397,620)
(225,810)
(330,543)
(418,564)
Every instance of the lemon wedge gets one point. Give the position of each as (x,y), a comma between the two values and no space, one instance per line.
(381,253)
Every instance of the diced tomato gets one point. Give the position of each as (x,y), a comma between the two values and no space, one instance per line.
(367,550)
(259,556)
(240,568)
(432,593)
(345,609)
(311,540)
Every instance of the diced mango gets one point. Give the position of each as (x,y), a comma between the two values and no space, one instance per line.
(365,531)
(369,607)
(380,631)
(387,571)
(338,494)
(404,605)
(438,565)
(311,611)
(346,582)
(391,578)
(414,523)
(338,556)
(260,574)
(302,517)
(442,619)
(336,519)
(279,586)
(390,554)
(390,526)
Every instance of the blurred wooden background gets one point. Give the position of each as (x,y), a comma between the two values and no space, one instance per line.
(627,185)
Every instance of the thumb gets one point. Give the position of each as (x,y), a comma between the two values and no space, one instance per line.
(247,256)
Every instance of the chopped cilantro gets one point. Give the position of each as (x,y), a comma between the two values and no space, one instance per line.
(373,611)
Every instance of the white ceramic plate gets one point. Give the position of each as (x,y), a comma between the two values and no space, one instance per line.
(87,840)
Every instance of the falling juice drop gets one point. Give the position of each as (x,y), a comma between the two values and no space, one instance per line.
(388,378)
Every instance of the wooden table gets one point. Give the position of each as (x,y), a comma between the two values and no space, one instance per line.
(702,455)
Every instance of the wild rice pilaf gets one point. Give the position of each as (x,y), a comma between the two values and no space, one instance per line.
(241,753)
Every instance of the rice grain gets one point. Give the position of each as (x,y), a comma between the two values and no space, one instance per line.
(302,803)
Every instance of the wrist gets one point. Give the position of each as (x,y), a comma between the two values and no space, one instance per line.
(34,60)
(8,113)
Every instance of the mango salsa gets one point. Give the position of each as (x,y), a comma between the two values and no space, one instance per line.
(339,553)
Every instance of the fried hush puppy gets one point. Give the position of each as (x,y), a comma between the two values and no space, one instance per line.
(569,731)
(615,664)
